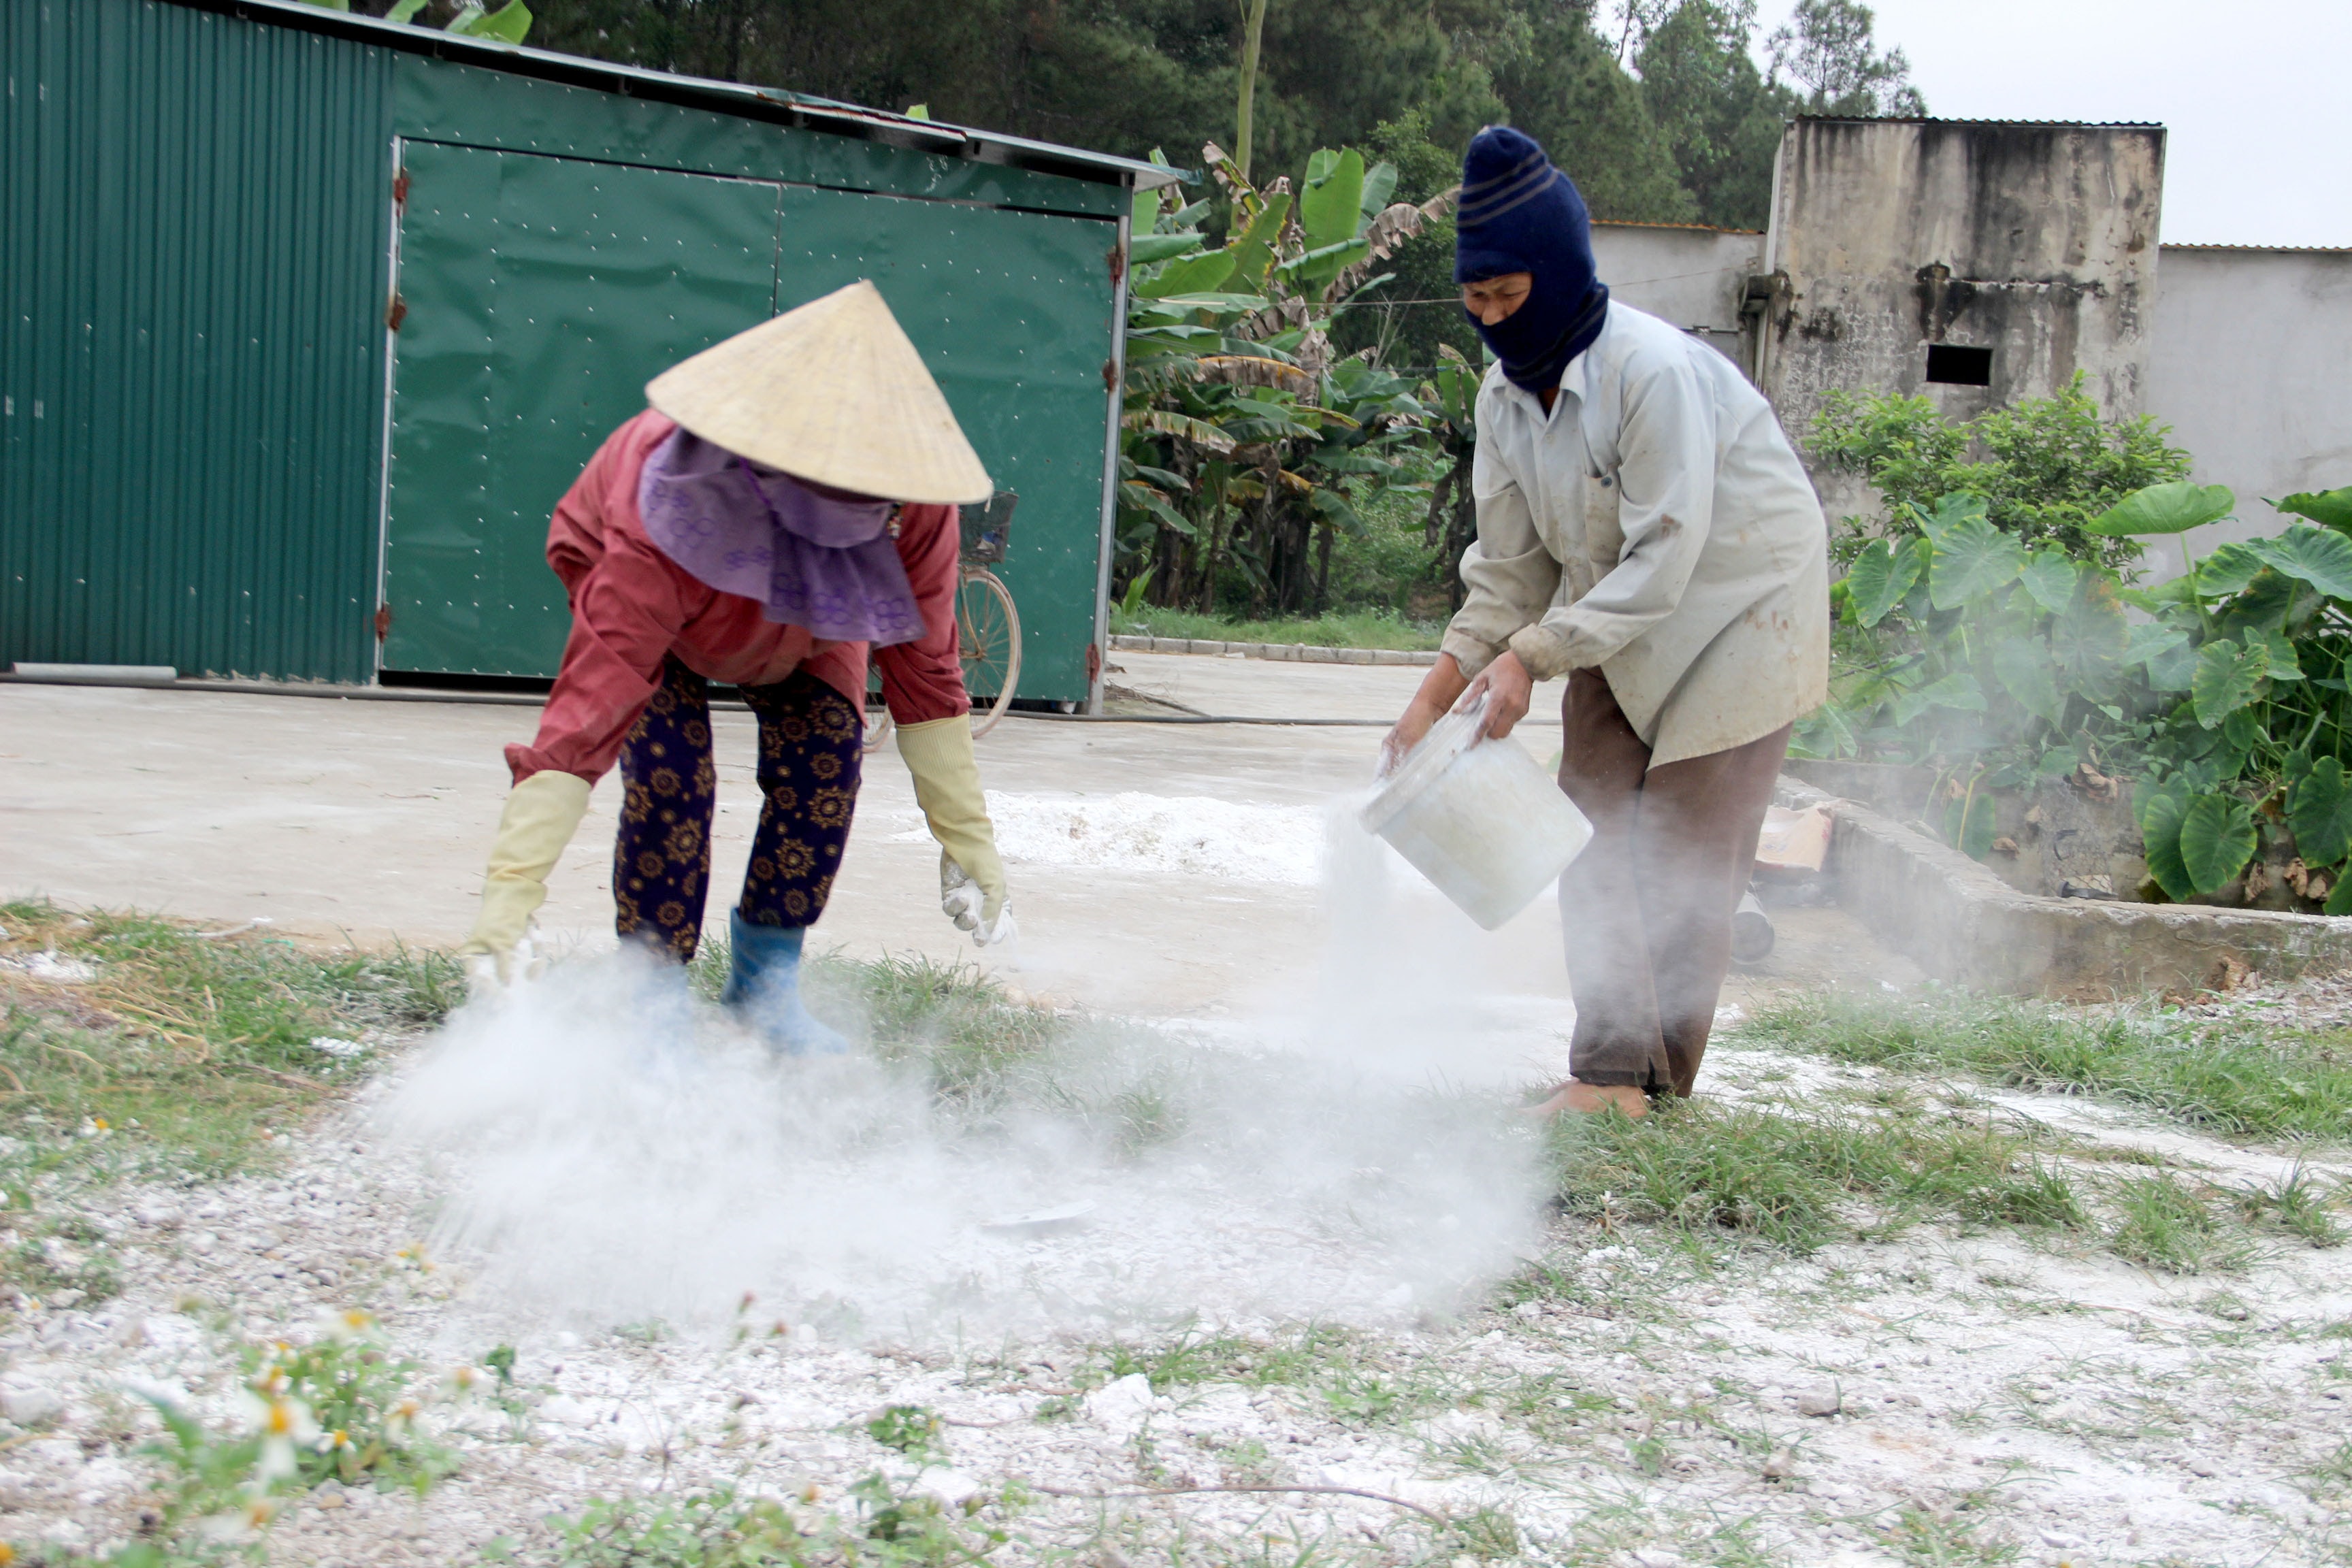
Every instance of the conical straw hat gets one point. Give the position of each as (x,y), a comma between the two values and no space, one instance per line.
(831,392)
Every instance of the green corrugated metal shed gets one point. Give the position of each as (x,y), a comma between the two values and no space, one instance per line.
(310,318)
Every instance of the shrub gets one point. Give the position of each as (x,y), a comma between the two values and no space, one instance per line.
(2044,468)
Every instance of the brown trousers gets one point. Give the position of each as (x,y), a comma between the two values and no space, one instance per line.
(1646,909)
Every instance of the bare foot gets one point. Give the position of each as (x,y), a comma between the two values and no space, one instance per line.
(1589,1098)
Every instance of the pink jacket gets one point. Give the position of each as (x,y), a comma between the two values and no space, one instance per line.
(632,606)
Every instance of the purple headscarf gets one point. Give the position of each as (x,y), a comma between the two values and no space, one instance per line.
(811,559)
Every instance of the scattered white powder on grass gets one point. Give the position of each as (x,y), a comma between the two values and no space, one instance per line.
(1193,836)
(48,966)
(342,1049)
(616,1150)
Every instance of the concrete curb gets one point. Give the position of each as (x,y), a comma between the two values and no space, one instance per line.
(1289,653)
(1966,927)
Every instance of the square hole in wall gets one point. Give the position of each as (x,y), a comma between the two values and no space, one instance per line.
(1959,365)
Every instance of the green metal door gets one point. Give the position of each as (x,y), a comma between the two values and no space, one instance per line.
(540,295)
(1012,311)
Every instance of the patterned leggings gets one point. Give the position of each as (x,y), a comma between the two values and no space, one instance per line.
(810,746)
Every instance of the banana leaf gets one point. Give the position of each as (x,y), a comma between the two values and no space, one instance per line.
(1331,201)
(1184,427)
(1253,252)
(1199,274)
(1321,264)
(1143,249)
(509,23)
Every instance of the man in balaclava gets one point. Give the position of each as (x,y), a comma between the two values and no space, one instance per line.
(787,503)
(1644,531)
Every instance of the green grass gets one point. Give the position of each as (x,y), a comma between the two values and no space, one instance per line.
(1793,1177)
(1303,1356)
(881,1523)
(1800,1181)
(182,1056)
(949,1021)
(1923,1538)
(2165,1223)
(2298,1203)
(2237,1080)
(1357,628)
(985,1059)
(887,1525)
(1799,1178)
(977,1050)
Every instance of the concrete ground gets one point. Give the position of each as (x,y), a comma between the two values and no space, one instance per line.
(1186,887)
(1234,687)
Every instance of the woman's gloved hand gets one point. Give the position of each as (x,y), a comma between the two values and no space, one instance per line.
(967,903)
(541,814)
(947,787)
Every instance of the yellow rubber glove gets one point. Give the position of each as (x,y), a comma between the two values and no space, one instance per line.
(947,787)
(541,814)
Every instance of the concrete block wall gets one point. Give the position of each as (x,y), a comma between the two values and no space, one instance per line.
(1690,276)
(2038,242)
(1964,926)
(2249,357)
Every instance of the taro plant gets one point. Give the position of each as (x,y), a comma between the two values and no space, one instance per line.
(2228,695)
(2001,661)
(2251,646)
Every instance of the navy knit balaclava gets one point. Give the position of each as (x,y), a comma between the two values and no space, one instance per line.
(1518,214)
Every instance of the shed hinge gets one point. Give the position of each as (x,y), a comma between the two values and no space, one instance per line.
(1117,260)
(399,191)
(383,622)
(1110,376)
(395,313)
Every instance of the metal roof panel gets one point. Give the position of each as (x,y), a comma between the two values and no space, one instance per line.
(2287,250)
(778,104)
(2023,125)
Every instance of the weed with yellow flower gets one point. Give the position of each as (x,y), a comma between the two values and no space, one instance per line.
(339,1407)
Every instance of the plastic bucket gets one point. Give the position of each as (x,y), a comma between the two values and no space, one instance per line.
(1478,819)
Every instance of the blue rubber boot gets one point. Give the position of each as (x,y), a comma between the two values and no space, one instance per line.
(763,988)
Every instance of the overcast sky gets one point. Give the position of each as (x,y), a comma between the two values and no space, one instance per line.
(2251,91)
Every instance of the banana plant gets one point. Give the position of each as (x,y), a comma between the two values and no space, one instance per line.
(1244,444)
(1451,398)
(509,23)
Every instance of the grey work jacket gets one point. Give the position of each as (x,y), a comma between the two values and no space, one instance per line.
(1654,524)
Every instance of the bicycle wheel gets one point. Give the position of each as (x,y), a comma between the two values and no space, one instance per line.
(988,639)
(877,718)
